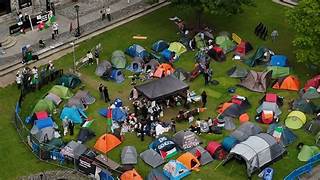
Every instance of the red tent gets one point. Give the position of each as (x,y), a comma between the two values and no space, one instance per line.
(314,82)
(243,48)
(271,97)
(41,115)
(215,150)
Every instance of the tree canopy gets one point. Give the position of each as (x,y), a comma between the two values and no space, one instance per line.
(305,20)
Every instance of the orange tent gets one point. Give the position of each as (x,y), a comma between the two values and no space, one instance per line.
(190,161)
(163,70)
(131,175)
(287,83)
(244,118)
(223,107)
(106,143)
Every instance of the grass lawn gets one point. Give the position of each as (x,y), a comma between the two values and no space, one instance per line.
(17,160)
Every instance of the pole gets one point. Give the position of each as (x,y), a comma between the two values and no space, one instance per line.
(74,58)
(30,22)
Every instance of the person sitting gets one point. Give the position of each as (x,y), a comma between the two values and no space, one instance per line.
(90,57)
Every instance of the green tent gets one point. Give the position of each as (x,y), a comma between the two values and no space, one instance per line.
(118,59)
(295,120)
(278,72)
(61,91)
(318,139)
(44,105)
(225,43)
(257,57)
(200,43)
(311,93)
(69,80)
(178,48)
(307,152)
(304,105)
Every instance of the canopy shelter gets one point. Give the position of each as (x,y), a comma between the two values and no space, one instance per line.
(152,158)
(136,50)
(175,170)
(159,46)
(261,56)
(118,59)
(295,120)
(256,81)
(54,98)
(256,151)
(287,83)
(186,139)
(177,48)
(237,72)
(245,130)
(164,146)
(163,70)
(69,80)
(104,69)
(73,114)
(44,105)
(129,155)
(189,161)
(136,65)
(163,88)
(106,143)
(61,91)
(282,134)
(73,150)
(279,60)
(278,72)
(202,155)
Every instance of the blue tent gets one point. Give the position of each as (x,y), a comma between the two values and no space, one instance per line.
(167,54)
(287,136)
(136,65)
(136,50)
(43,123)
(118,114)
(118,102)
(105,175)
(175,170)
(279,60)
(159,46)
(229,142)
(154,174)
(117,76)
(74,114)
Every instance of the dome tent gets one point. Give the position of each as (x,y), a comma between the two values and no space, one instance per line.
(295,120)
(118,59)
(159,46)
(104,69)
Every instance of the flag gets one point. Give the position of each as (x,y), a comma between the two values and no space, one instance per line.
(109,119)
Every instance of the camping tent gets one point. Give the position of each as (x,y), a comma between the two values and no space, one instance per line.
(278,72)
(118,59)
(243,48)
(43,123)
(69,80)
(162,88)
(136,50)
(177,48)
(200,43)
(104,69)
(262,55)
(237,72)
(164,146)
(314,82)
(287,83)
(257,151)
(44,134)
(279,60)
(235,107)
(295,120)
(181,74)
(85,134)
(54,98)
(152,65)
(189,161)
(106,143)
(203,155)
(281,134)
(129,155)
(73,150)
(118,114)
(186,139)
(154,174)
(136,65)
(269,106)
(61,91)
(117,76)
(225,43)
(74,114)
(311,93)
(256,81)
(152,158)
(131,175)
(304,105)
(85,97)
(159,46)
(307,152)
(312,127)
(245,130)
(44,105)
(229,142)
(163,70)
(215,149)
(175,170)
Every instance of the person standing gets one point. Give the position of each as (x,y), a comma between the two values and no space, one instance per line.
(97,54)
(108,10)
(55,28)
(106,94)
(52,35)
(274,35)
(103,13)
(173,125)
(204,98)
(206,78)
(101,91)
(142,131)
(71,128)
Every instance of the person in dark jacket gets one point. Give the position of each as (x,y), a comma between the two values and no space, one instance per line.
(204,98)
(106,94)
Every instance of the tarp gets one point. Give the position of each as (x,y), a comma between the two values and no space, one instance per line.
(159,46)
(177,48)
(152,158)
(245,130)
(44,105)
(295,120)
(189,161)
(257,151)
(118,59)
(131,175)
(106,143)
(279,60)
(104,69)
(186,139)
(163,70)
(175,170)
(287,83)
(278,72)
(256,81)
(204,155)
(136,50)
(162,88)
(237,72)
(69,80)
(74,114)
(61,91)
(129,155)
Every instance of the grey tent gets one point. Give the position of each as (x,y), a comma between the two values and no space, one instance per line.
(54,98)
(118,59)
(181,74)
(256,81)
(85,96)
(104,69)
(205,156)
(129,155)
(186,139)
(85,134)
(152,158)
(156,175)
(269,106)
(73,150)
(312,127)
(304,105)
(311,93)
(246,130)
(163,88)
(151,65)
(43,135)
(238,72)
(136,65)
(229,123)
(256,151)
(286,137)
(75,102)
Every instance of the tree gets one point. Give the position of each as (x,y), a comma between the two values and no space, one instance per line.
(305,20)
(225,7)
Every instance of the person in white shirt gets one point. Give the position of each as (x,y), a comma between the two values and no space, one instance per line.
(108,10)
(55,28)
(90,57)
